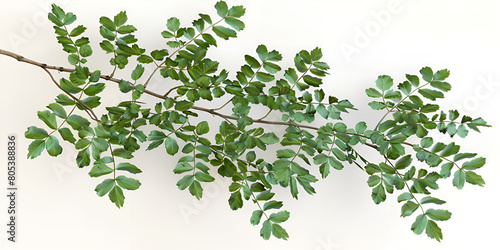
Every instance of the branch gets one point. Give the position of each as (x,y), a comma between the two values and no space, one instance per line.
(109,78)
(395,106)
(89,111)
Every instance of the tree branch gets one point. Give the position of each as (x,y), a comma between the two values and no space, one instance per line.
(109,78)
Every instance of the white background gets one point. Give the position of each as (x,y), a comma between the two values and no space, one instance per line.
(58,208)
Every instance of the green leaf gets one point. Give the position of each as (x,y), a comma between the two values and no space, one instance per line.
(36,148)
(252,61)
(450,149)
(264,196)
(405,196)
(77,122)
(126,29)
(92,101)
(414,80)
(251,156)
(100,170)
(120,19)
(313,81)
(183,105)
(433,231)
(48,118)
(58,110)
(173,24)
(107,23)
(265,231)
(127,183)
(429,199)
(271,67)
(116,196)
(441,75)
(438,214)
(86,50)
(285,153)
(69,18)
(35,133)
(171,145)
(384,82)
(446,169)
(316,54)
(256,216)
(373,180)
(408,208)
(474,164)
(279,217)
(137,72)
(473,178)
(203,177)
(264,77)
(427,74)
(235,200)
(462,131)
(83,158)
(262,52)
(235,23)
(459,179)
(55,20)
(73,59)
(371,92)
(67,135)
(106,33)
(94,89)
(223,32)
(269,138)
(386,168)
(156,135)
(272,205)
(107,46)
(404,162)
(419,225)
(52,146)
(444,86)
(209,39)
(202,128)
(222,9)
(237,11)
(185,182)
(104,187)
(69,86)
(405,87)
(125,86)
(426,142)
(429,108)
(168,103)
(377,105)
(378,194)
(125,166)
(196,190)
(121,152)
(431,94)
(279,232)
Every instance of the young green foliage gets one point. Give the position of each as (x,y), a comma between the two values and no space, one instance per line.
(230,145)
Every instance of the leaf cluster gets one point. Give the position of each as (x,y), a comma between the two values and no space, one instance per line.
(411,161)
